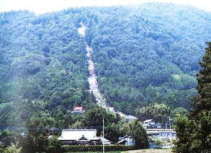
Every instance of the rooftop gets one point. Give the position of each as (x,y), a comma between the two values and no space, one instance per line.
(77,134)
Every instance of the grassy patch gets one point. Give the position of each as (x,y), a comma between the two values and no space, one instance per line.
(149,151)
(98,152)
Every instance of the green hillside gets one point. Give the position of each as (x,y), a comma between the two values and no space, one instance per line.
(148,54)
(143,55)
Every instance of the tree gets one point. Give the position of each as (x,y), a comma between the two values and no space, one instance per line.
(37,121)
(138,133)
(113,132)
(54,145)
(183,130)
(194,133)
(177,113)
(94,119)
(13,149)
(158,112)
(203,102)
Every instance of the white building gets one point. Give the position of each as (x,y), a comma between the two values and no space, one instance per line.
(82,136)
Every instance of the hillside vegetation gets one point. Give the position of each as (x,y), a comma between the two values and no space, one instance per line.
(42,59)
(143,55)
(148,54)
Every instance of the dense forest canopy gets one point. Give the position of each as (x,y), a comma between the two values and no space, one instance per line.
(149,54)
(143,55)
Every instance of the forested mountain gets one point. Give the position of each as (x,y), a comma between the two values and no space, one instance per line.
(143,55)
(149,53)
(42,59)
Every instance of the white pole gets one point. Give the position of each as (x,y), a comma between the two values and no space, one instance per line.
(103,137)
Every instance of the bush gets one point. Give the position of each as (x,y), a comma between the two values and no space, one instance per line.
(1,148)
(76,148)
(54,145)
(13,149)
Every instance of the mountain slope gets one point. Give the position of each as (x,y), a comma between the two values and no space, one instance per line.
(142,55)
(149,53)
(43,59)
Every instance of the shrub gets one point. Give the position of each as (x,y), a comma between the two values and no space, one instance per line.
(54,145)
(80,148)
(13,149)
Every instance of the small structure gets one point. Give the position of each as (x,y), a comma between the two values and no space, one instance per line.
(151,124)
(126,140)
(82,137)
(54,131)
(78,110)
(162,133)
(131,118)
(105,141)
(166,136)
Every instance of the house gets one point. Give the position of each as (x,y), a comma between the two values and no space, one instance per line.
(79,136)
(82,137)
(78,110)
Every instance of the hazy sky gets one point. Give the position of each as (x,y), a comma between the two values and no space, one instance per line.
(43,6)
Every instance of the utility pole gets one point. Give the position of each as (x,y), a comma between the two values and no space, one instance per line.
(103,136)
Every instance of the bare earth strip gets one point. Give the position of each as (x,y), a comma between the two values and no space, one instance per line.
(150,151)
(92,79)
